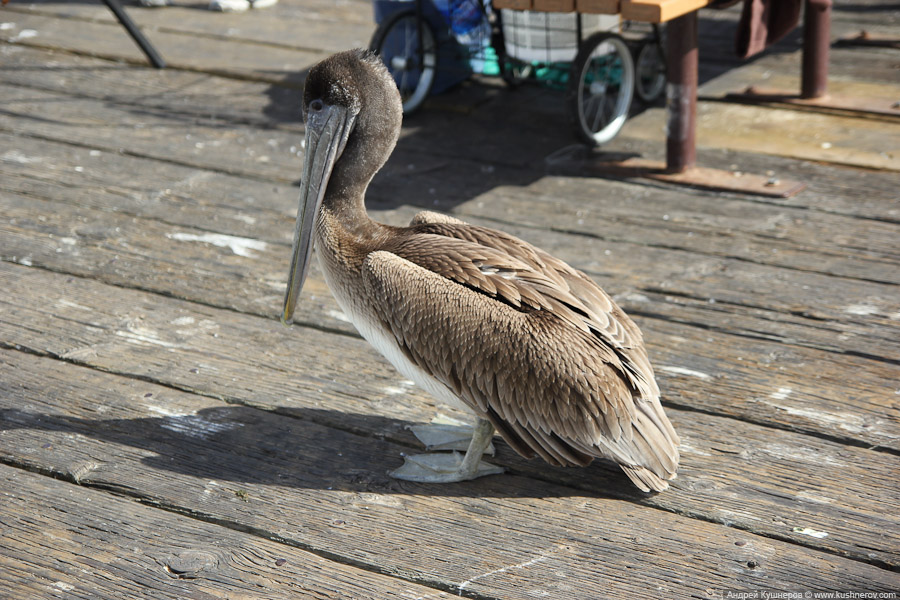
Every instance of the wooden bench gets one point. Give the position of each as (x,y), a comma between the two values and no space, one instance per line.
(682,64)
(681,53)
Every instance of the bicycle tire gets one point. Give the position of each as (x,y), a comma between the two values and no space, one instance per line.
(396,42)
(600,88)
(649,72)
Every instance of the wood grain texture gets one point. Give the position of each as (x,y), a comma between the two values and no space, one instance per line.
(325,490)
(149,213)
(241,274)
(420,166)
(659,11)
(732,237)
(186,52)
(344,384)
(248,275)
(94,545)
(864,143)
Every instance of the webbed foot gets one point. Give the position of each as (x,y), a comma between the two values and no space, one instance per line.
(439,436)
(452,466)
(442,468)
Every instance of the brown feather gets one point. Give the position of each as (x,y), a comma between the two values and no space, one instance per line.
(569,374)
(519,336)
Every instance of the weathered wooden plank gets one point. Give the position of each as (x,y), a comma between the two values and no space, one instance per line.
(827,187)
(866,143)
(280,24)
(249,275)
(733,472)
(311,25)
(67,541)
(723,227)
(325,490)
(179,92)
(830,189)
(878,90)
(871,244)
(659,11)
(259,61)
(705,290)
(210,143)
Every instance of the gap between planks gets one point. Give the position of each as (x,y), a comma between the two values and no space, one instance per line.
(105,477)
(253,394)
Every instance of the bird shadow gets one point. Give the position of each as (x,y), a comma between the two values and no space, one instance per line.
(295,448)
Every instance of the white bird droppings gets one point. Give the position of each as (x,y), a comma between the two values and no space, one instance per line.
(23,35)
(683,371)
(339,315)
(238,245)
(861,309)
(781,394)
(810,532)
(14,156)
(245,218)
(142,336)
(196,426)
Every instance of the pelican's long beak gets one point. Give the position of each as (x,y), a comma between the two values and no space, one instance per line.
(327,130)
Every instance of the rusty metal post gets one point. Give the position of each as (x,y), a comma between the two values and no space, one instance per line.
(816,42)
(681,93)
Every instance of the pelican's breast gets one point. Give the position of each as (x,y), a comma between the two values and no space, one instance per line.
(353,302)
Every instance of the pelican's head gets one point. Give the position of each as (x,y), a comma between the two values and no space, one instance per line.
(353,113)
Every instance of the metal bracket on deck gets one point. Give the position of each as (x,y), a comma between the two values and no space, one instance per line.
(865,38)
(578,160)
(856,105)
(814,76)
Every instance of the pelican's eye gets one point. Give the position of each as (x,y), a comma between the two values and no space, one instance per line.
(316,105)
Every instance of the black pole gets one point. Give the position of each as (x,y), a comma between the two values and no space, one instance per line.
(154,57)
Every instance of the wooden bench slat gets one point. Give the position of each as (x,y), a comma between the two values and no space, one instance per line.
(659,11)
(602,7)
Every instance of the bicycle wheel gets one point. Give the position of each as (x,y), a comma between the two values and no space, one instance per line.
(601,85)
(396,41)
(650,72)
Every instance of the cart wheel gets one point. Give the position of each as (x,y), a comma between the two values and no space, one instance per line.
(515,72)
(650,72)
(601,85)
(396,41)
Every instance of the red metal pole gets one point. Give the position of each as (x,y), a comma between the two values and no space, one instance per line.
(681,93)
(816,42)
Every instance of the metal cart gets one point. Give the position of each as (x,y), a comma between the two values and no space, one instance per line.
(430,45)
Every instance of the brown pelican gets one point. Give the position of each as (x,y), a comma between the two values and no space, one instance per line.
(478,318)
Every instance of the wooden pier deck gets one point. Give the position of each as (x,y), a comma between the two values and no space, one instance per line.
(163,436)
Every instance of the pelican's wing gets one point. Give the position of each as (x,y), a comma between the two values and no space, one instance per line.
(518,345)
(614,324)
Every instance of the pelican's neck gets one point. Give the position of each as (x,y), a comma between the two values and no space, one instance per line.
(347,209)
(345,232)
(363,156)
